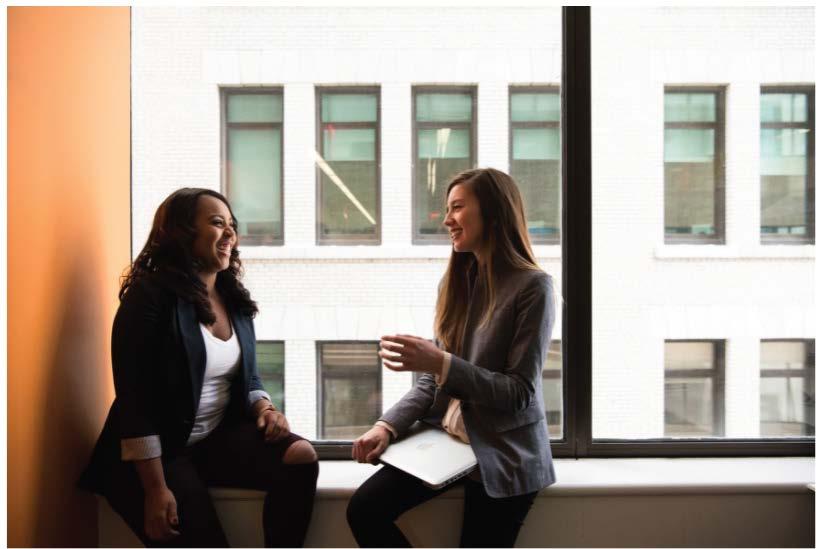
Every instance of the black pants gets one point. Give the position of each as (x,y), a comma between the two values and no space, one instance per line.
(233,455)
(385,496)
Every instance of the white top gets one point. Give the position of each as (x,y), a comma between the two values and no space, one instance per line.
(221,365)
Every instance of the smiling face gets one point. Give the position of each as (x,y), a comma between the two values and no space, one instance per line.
(464,220)
(215,234)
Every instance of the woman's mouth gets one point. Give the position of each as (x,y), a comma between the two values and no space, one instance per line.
(455,234)
(224,247)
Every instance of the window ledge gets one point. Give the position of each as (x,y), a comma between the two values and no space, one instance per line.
(610,476)
(713,251)
(387,252)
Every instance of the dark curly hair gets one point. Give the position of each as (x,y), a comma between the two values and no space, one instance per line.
(167,256)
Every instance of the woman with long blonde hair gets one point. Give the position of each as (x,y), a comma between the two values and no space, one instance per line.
(481,380)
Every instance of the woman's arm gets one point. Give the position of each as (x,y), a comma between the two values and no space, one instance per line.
(161,518)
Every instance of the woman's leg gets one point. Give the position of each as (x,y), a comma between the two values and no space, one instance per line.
(198,524)
(492,522)
(378,503)
(236,455)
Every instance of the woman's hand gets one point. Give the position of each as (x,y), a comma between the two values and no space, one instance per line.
(368,447)
(160,515)
(273,424)
(406,353)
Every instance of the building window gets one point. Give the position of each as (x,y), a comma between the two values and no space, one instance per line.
(348,170)
(349,389)
(694,388)
(553,389)
(252,162)
(534,157)
(694,151)
(786,388)
(786,165)
(443,132)
(270,364)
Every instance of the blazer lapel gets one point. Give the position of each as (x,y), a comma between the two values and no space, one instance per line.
(245,336)
(194,346)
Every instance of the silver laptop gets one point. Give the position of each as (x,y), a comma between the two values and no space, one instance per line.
(432,455)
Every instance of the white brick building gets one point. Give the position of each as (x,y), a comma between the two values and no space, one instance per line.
(645,291)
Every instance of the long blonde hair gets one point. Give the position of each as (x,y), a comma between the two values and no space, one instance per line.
(505,245)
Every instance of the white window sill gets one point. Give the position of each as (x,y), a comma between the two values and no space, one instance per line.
(611,476)
(714,251)
(390,252)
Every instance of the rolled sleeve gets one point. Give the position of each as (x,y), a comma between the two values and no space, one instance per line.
(388,427)
(441,379)
(141,448)
(254,396)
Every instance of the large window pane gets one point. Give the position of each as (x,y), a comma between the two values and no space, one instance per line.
(253,171)
(270,364)
(787,397)
(443,130)
(350,393)
(348,193)
(786,166)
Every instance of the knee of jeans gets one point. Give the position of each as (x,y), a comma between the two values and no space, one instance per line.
(300,452)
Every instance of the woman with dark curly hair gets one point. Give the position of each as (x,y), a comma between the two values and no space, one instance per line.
(190,410)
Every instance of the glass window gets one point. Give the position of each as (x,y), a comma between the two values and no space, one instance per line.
(553,389)
(693,152)
(270,364)
(694,393)
(444,144)
(348,166)
(350,389)
(786,166)
(534,163)
(253,163)
(786,389)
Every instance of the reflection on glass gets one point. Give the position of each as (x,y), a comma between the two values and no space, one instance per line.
(553,389)
(786,389)
(693,389)
(270,364)
(350,389)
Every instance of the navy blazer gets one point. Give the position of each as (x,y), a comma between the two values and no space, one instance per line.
(158,357)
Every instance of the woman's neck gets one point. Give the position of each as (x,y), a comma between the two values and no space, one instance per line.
(209,280)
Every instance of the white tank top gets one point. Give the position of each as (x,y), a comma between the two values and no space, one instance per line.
(221,365)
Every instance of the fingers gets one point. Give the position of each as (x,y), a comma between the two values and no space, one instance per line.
(172,519)
(273,428)
(372,457)
(260,421)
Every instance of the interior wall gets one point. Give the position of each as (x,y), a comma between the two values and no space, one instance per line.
(68,242)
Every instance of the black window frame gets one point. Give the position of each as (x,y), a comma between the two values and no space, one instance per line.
(224,93)
(321,91)
(284,363)
(810,181)
(576,268)
(719,163)
(532,88)
(419,239)
(808,372)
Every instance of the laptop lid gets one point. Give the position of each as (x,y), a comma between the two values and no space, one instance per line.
(432,455)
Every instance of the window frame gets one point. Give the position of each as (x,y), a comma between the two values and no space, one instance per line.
(333,448)
(532,88)
(320,91)
(719,163)
(419,239)
(224,93)
(808,372)
(284,368)
(810,180)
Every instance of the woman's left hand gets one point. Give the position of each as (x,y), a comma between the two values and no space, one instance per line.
(406,353)
(273,424)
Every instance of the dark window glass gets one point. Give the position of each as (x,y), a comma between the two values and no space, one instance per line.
(693,152)
(534,123)
(253,163)
(350,390)
(347,162)
(786,389)
(694,388)
(270,364)
(443,132)
(786,166)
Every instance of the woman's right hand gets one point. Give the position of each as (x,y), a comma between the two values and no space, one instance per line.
(368,447)
(161,519)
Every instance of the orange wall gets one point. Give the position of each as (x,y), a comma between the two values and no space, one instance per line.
(68,242)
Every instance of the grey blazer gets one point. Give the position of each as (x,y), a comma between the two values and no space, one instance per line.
(499,383)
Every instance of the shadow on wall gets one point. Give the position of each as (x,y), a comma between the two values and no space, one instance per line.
(71,419)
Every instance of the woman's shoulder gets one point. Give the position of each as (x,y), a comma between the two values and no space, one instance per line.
(147,289)
(530,279)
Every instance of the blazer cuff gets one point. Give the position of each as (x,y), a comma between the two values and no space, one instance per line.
(441,379)
(140,448)
(253,396)
(388,427)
